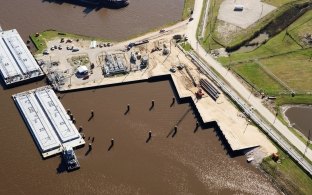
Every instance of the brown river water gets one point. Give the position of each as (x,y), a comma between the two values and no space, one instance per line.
(31,16)
(190,162)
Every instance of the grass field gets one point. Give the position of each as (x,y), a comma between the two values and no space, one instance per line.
(288,176)
(188,7)
(277,3)
(256,77)
(296,71)
(40,41)
(281,55)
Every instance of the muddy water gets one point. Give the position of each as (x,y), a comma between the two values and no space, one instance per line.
(188,162)
(301,118)
(254,43)
(33,16)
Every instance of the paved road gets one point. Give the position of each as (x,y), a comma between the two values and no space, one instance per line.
(239,87)
(203,31)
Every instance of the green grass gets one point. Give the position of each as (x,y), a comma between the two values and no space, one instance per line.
(280,44)
(290,178)
(186,46)
(208,41)
(298,99)
(40,41)
(284,57)
(277,3)
(256,77)
(301,27)
(296,71)
(188,7)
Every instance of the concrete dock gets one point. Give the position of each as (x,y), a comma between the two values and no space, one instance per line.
(16,62)
(238,132)
(47,121)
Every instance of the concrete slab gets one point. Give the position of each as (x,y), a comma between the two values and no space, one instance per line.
(253,10)
(233,125)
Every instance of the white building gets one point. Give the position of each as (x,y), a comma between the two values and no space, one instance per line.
(16,62)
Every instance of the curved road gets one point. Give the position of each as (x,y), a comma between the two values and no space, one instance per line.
(246,94)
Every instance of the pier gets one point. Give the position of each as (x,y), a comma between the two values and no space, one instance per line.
(213,107)
(47,121)
(16,62)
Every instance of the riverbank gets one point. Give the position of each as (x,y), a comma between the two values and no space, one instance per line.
(287,175)
(188,9)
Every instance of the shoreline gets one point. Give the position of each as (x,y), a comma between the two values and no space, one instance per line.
(284,109)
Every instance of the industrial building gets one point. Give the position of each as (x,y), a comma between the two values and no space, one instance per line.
(47,120)
(16,62)
(114,64)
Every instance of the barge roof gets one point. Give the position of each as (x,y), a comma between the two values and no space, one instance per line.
(47,121)
(16,62)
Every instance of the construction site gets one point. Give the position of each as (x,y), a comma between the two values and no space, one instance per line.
(149,59)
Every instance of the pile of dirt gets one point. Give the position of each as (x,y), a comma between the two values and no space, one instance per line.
(307,39)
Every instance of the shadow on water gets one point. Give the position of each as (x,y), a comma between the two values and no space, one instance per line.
(89,5)
(222,140)
(88,151)
(62,167)
(148,139)
(173,131)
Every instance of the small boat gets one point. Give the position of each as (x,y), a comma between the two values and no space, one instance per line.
(69,157)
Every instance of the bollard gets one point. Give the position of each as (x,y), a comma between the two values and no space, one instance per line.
(153,103)
(90,146)
(173,100)
(197,124)
(112,142)
(128,107)
(92,139)
(68,111)
(71,116)
(74,120)
(175,131)
(80,129)
(92,113)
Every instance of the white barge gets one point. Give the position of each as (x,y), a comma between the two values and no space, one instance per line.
(16,62)
(47,121)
